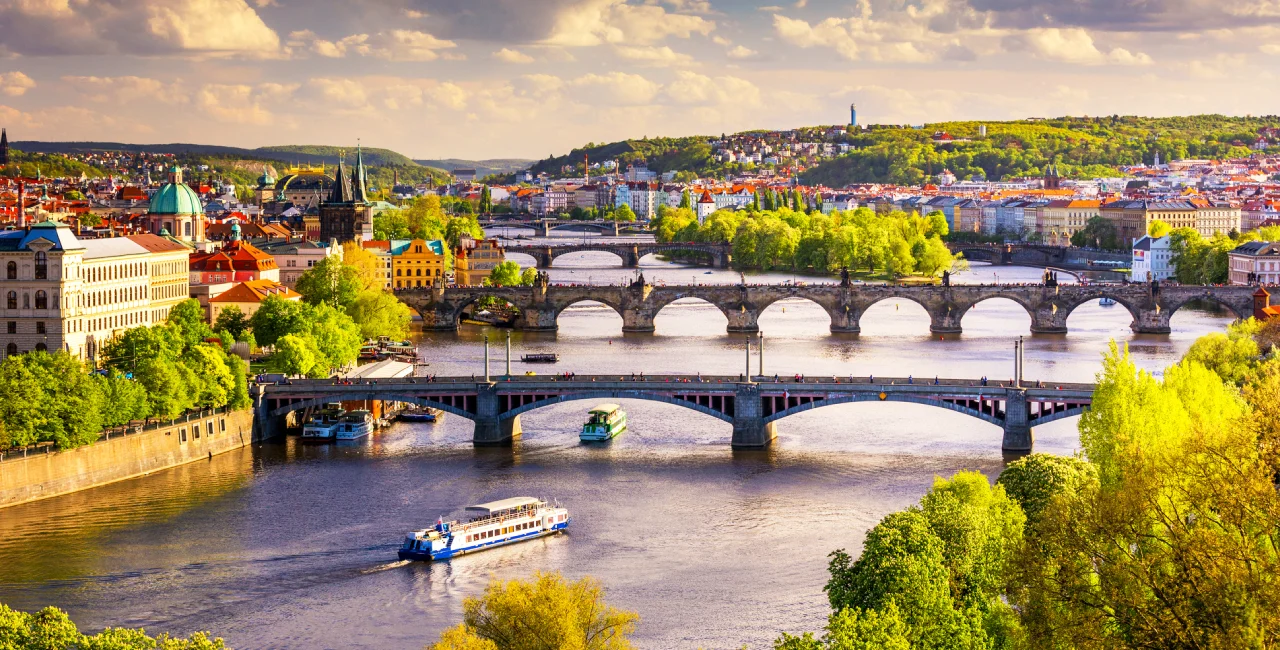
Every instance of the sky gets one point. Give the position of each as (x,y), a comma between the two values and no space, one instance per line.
(531,78)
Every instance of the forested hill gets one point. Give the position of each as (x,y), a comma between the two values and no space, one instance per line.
(289,154)
(1083,147)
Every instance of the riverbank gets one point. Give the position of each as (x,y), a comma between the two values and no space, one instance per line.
(197,436)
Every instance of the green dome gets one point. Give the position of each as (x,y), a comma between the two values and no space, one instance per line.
(266,180)
(176,198)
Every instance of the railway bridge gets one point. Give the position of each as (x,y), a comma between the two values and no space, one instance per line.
(753,405)
(1151,306)
(631,253)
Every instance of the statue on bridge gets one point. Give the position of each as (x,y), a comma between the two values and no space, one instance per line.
(844,277)
(1050,278)
(639,281)
(946,278)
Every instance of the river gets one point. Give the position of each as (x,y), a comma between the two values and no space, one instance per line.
(292,546)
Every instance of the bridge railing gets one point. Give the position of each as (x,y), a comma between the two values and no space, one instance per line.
(781,381)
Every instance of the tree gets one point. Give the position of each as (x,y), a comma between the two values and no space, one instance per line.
(685,202)
(545,613)
(623,214)
(1098,232)
(528,277)
(1157,229)
(367,265)
(379,313)
(486,200)
(505,274)
(1033,481)
(330,282)
(336,336)
(276,317)
(51,629)
(232,320)
(295,355)
(188,317)
(856,629)
(89,219)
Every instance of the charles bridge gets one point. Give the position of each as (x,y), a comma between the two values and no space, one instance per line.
(630,252)
(1151,306)
(753,405)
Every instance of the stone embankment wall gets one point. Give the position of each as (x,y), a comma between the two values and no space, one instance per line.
(119,457)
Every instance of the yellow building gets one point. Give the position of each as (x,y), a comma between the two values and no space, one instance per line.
(475,262)
(1059,220)
(417,262)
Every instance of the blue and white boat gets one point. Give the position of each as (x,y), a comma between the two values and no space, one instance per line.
(497,523)
(354,425)
(321,426)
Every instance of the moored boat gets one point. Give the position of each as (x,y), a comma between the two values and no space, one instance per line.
(605,422)
(418,414)
(1107,302)
(549,357)
(320,427)
(497,523)
(354,425)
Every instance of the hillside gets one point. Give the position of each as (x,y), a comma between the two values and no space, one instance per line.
(483,167)
(661,154)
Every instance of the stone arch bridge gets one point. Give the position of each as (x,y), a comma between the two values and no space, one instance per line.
(753,408)
(1151,307)
(630,253)
(543,227)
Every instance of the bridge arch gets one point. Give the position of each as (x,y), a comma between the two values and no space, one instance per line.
(695,324)
(616,307)
(1207,296)
(1001,299)
(617,394)
(889,397)
(710,255)
(1070,307)
(587,248)
(516,250)
(346,397)
(861,315)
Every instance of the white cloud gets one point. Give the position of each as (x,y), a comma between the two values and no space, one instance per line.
(210,26)
(15,84)
(652,55)
(740,52)
(1271,48)
(128,89)
(393,45)
(693,88)
(343,93)
(242,103)
(593,22)
(1071,46)
(512,56)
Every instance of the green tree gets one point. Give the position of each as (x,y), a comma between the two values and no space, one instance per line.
(295,355)
(379,313)
(188,317)
(1157,229)
(623,214)
(276,317)
(1033,481)
(52,629)
(545,613)
(330,282)
(528,277)
(336,337)
(505,274)
(486,200)
(685,202)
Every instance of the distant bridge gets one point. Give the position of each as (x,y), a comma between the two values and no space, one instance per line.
(543,227)
(638,305)
(1033,254)
(753,408)
(631,253)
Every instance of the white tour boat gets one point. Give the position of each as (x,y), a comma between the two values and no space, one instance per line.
(496,524)
(321,425)
(354,425)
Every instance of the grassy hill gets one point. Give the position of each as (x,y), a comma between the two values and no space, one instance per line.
(483,167)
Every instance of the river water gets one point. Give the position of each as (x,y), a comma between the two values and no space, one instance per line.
(292,546)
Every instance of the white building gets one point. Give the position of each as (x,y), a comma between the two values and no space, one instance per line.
(1152,259)
(706,206)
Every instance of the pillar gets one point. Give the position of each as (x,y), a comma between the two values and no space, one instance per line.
(537,319)
(1045,321)
(743,321)
(946,320)
(723,260)
(637,320)
(542,228)
(1152,321)
(493,430)
(749,428)
(265,425)
(1017,427)
(630,258)
(545,259)
(844,320)
(439,318)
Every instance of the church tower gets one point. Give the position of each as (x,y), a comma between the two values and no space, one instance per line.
(4,147)
(345,216)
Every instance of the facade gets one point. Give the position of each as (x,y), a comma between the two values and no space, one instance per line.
(60,293)
(294,257)
(381,250)
(473,264)
(237,261)
(345,216)
(304,187)
(248,297)
(1255,262)
(1059,220)
(176,210)
(706,206)
(417,262)
(1152,259)
(969,216)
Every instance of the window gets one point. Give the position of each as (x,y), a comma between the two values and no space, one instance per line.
(42,300)
(13,327)
(182,434)
(208,428)
(222,425)
(12,349)
(12,301)
(40,347)
(42,265)
(40,327)
(11,270)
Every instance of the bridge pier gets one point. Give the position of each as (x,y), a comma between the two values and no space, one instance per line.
(1152,321)
(638,321)
(265,425)
(630,258)
(1017,426)
(845,321)
(750,431)
(536,319)
(1046,321)
(743,321)
(946,321)
(542,228)
(493,430)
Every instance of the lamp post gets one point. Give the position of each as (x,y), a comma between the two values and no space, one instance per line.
(486,358)
(761,373)
(508,355)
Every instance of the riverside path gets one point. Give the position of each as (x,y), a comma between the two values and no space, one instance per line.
(752,405)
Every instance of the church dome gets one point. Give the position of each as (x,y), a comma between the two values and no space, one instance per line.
(266,180)
(175,197)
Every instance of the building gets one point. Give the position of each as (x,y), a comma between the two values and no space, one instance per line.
(345,215)
(248,297)
(474,263)
(1059,220)
(295,256)
(1262,309)
(706,206)
(1152,259)
(4,147)
(61,293)
(1255,262)
(303,187)
(176,210)
(236,261)
(417,262)
(381,250)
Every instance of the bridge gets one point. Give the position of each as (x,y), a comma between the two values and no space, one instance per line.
(540,305)
(631,253)
(543,227)
(1033,254)
(752,407)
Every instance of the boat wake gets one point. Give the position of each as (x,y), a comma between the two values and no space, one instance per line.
(385,566)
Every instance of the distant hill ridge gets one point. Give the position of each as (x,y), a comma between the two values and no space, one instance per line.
(483,167)
(289,154)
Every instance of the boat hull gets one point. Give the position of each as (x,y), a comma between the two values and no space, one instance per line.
(445,554)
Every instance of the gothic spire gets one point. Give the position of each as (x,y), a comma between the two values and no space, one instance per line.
(341,187)
(360,180)
(4,146)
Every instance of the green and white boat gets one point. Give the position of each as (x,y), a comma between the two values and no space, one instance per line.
(606,421)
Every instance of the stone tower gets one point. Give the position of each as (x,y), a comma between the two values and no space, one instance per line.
(4,147)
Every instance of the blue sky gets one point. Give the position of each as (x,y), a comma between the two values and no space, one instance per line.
(528,78)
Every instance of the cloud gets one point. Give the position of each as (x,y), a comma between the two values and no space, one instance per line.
(15,84)
(1070,46)
(593,22)
(740,52)
(392,45)
(1270,48)
(652,55)
(615,88)
(512,56)
(340,93)
(142,27)
(693,88)
(128,89)
(242,103)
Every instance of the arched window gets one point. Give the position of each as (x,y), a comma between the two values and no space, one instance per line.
(11,270)
(42,265)
(186,228)
(42,300)
(40,347)
(12,349)
(12,302)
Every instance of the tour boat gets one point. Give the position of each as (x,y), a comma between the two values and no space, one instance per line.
(418,414)
(354,425)
(497,523)
(548,357)
(606,421)
(321,425)
(1107,302)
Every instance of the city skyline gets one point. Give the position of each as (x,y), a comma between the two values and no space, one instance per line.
(494,78)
